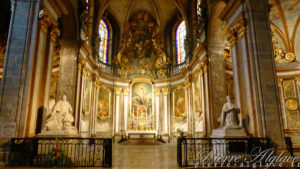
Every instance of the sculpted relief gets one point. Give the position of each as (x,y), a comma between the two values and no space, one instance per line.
(141,50)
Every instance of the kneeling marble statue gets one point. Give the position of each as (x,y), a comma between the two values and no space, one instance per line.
(60,120)
(230,124)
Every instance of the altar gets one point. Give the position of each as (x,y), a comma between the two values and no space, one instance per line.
(142,134)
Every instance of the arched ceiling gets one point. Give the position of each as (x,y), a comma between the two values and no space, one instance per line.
(161,10)
(285,21)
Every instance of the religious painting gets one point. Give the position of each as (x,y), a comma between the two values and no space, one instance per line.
(197,103)
(197,95)
(179,103)
(87,93)
(141,115)
(141,47)
(103,103)
(86,105)
(103,114)
(179,109)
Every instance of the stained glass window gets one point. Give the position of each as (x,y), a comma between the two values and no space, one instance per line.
(198,7)
(180,37)
(103,46)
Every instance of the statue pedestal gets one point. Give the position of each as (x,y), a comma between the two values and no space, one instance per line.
(221,139)
(61,133)
(229,132)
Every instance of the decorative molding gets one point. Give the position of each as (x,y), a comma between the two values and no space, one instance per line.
(165,91)
(126,92)
(118,91)
(157,92)
(44,20)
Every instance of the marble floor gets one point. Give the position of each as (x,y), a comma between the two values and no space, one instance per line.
(144,156)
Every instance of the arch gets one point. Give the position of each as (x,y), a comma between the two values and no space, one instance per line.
(180,36)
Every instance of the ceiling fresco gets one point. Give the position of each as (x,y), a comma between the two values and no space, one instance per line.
(284,20)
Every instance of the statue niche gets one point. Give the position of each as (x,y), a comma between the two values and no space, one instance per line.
(59,121)
(141,50)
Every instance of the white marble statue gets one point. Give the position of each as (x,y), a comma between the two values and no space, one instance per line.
(229,119)
(60,119)
(230,114)
(51,104)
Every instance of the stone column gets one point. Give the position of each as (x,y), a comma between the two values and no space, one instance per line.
(117,116)
(189,105)
(18,65)
(126,108)
(82,86)
(36,107)
(215,51)
(79,95)
(283,111)
(68,69)
(157,95)
(95,89)
(166,116)
(208,114)
(202,84)
(263,75)
(258,90)
(55,32)
(241,70)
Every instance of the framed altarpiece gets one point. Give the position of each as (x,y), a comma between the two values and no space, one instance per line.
(179,109)
(141,116)
(103,118)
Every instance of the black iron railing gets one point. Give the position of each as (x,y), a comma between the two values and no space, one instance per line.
(67,152)
(194,151)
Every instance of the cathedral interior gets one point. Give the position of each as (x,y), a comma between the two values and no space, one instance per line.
(128,72)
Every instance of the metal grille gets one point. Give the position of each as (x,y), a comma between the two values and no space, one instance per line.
(68,152)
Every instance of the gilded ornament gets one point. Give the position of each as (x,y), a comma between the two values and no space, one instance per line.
(279,80)
(55,32)
(157,92)
(126,92)
(44,21)
(141,48)
(165,91)
(297,80)
(291,104)
(227,54)
(118,91)
(290,57)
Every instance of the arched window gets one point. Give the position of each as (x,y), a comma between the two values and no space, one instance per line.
(103,46)
(198,7)
(180,37)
